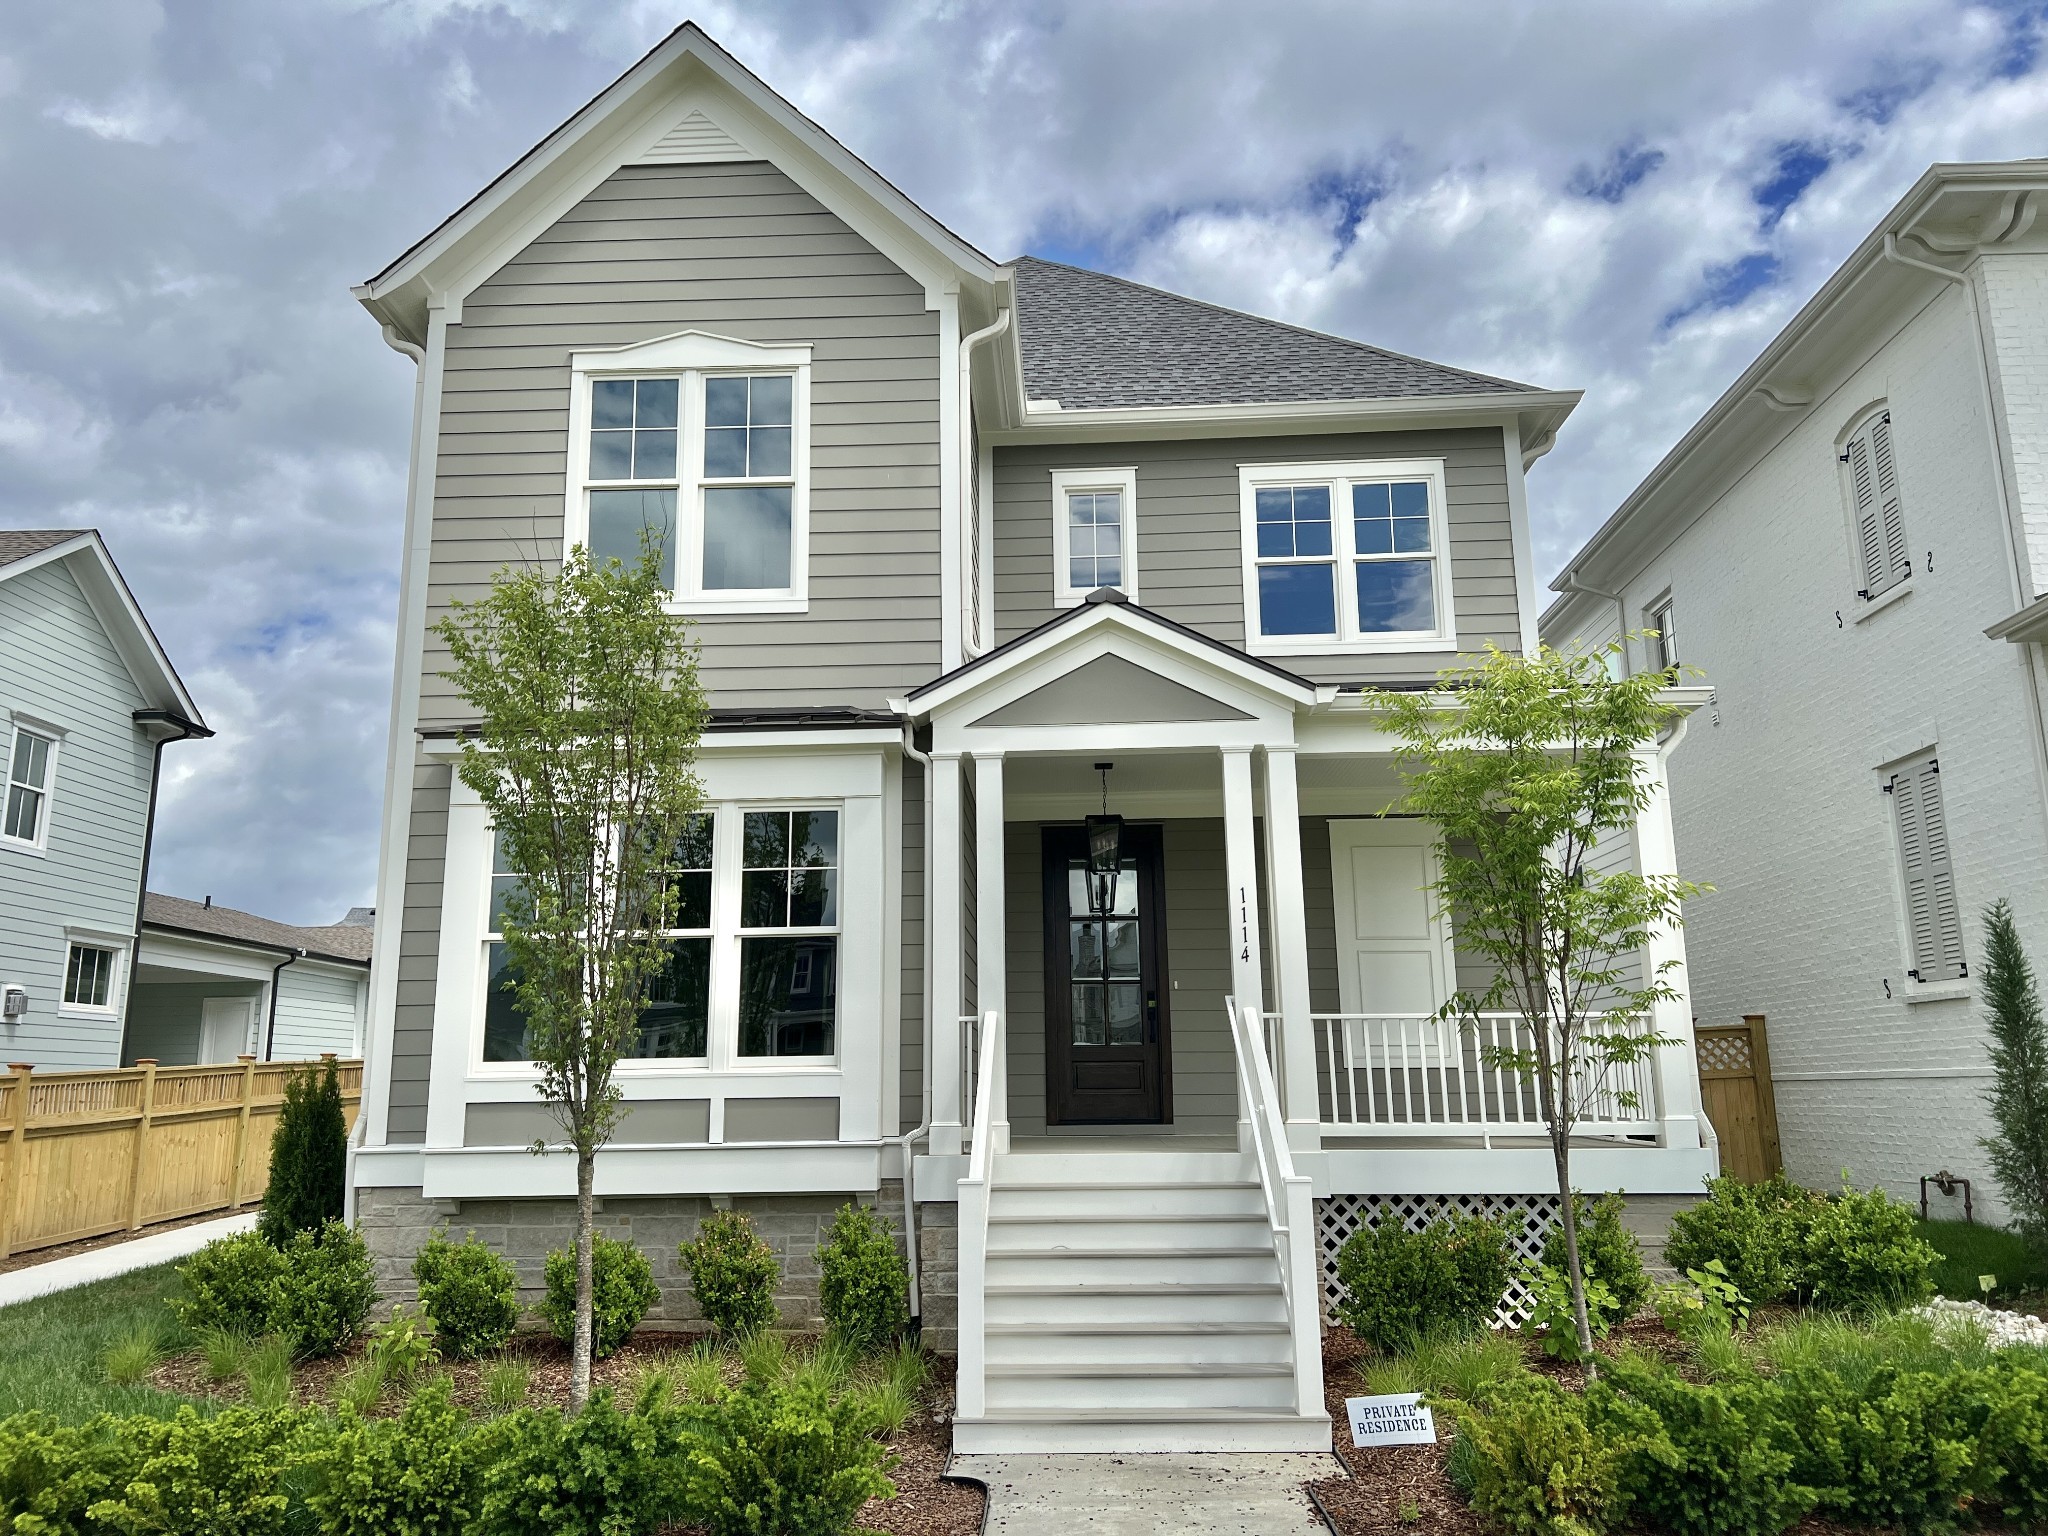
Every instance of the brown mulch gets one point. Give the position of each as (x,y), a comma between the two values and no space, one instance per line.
(33,1256)
(925,1503)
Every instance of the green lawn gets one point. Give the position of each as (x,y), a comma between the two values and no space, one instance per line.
(50,1348)
(1971,1249)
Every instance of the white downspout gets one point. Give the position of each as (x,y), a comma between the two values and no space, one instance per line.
(1573,584)
(970,647)
(923,1127)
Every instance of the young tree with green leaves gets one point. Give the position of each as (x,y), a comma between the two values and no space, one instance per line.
(1523,763)
(2019,1064)
(588,714)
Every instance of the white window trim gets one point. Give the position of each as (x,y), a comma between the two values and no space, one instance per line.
(1066,482)
(693,355)
(722,1024)
(106,944)
(40,843)
(1657,615)
(1348,641)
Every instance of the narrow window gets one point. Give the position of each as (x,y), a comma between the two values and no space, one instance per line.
(28,787)
(1094,532)
(1394,565)
(633,427)
(88,976)
(1880,522)
(504,1025)
(1297,561)
(1934,923)
(1663,636)
(749,484)
(789,944)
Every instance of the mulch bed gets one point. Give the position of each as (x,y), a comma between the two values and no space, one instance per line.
(925,1503)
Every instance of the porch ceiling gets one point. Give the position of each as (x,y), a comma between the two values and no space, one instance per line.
(1182,784)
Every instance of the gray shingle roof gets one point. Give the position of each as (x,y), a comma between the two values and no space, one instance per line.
(337,941)
(20,543)
(1096,342)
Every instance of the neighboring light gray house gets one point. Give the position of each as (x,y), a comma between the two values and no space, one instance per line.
(1852,544)
(88,700)
(212,984)
(983,556)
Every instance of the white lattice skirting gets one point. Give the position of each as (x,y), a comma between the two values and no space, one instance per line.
(1529,1218)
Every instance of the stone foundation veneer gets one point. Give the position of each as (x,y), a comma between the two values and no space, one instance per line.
(396,1222)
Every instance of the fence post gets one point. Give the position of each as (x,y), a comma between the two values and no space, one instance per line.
(17,1154)
(242,1130)
(148,1065)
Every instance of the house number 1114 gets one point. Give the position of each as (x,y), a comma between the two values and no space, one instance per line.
(1244,927)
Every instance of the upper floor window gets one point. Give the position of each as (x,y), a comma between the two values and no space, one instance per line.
(1094,532)
(1346,557)
(1877,514)
(1659,620)
(703,443)
(28,787)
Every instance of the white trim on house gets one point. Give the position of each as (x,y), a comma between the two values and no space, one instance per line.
(115,947)
(53,738)
(1070,482)
(692,357)
(1347,638)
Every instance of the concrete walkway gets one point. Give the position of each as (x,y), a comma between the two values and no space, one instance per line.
(116,1259)
(1148,1494)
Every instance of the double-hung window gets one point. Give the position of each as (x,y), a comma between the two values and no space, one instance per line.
(28,788)
(1094,536)
(1346,557)
(89,977)
(753,944)
(699,445)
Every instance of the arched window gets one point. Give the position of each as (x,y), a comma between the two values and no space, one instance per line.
(1879,519)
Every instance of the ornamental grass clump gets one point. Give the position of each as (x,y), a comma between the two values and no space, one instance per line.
(470,1292)
(733,1274)
(863,1286)
(622,1289)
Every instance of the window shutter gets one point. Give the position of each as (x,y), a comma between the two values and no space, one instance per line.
(1891,515)
(1933,919)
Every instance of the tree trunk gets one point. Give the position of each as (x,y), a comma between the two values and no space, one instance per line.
(1560,1150)
(586,1234)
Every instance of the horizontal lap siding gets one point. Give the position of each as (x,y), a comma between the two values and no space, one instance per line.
(317,1010)
(57,664)
(1190,565)
(419,952)
(736,250)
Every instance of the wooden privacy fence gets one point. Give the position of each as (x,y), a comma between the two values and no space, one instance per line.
(87,1153)
(1735,1088)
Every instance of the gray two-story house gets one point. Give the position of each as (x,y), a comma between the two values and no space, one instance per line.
(1041,892)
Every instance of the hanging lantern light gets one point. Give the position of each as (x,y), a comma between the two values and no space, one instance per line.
(1105,852)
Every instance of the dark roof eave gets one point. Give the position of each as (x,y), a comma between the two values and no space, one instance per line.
(236,942)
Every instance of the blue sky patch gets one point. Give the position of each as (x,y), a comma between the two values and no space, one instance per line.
(1795,168)
(1728,285)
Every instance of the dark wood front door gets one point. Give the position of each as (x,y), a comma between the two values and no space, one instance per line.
(1107,1053)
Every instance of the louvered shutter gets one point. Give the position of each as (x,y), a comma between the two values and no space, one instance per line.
(1933,919)
(1880,520)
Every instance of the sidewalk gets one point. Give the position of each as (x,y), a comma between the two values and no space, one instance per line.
(116,1259)
(1149,1494)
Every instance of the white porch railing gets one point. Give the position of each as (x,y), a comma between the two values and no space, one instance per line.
(1290,1203)
(1412,1075)
(984,1109)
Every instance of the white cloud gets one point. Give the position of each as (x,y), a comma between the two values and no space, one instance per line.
(133,117)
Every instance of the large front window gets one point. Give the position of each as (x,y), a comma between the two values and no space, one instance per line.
(753,947)
(1345,556)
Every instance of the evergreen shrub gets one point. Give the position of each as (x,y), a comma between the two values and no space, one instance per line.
(863,1287)
(1608,1254)
(780,1457)
(469,1291)
(733,1274)
(308,1156)
(622,1288)
(231,1285)
(1399,1286)
(327,1289)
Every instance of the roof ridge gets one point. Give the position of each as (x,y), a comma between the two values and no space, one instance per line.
(1285,325)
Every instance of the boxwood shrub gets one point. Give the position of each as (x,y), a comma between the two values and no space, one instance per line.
(469,1291)
(327,1290)
(1399,1286)
(622,1288)
(863,1287)
(733,1274)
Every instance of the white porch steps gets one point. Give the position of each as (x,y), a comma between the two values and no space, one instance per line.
(1133,1302)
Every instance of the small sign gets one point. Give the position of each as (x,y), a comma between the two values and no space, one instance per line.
(1398,1418)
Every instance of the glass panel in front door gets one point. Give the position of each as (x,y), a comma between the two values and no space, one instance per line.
(1103,961)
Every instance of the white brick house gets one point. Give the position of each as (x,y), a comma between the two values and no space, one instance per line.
(1853,546)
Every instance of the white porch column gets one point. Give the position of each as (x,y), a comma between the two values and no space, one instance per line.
(942,931)
(1296,1067)
(991,988)
(1241,872)
(1677,1068)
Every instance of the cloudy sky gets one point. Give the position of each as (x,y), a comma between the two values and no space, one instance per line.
(1622,197)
